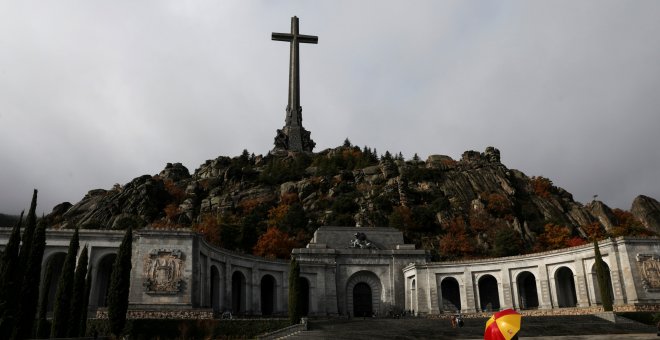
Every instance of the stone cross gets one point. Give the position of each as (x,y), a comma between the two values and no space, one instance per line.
(293,136)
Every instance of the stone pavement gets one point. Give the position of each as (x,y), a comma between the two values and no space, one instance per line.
(538,328)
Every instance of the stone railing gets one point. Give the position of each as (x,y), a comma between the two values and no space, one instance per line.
(162,314)
(558,311)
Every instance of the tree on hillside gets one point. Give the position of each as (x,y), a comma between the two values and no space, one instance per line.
(29,293)
(9,282)
(77,301)
(274,244)
(295,310)
(120,281)
(62,312)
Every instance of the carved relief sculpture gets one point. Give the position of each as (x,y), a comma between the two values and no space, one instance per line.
(649,267)
(163,271)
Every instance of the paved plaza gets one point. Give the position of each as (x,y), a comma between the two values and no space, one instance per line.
(556,327)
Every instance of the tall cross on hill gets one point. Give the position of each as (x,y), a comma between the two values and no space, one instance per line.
(293,136)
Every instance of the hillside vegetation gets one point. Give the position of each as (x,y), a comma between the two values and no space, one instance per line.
(267,205)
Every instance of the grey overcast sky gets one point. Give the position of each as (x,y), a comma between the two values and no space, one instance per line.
(94,93)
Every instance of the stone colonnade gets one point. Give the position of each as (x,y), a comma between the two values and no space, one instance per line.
(549,280)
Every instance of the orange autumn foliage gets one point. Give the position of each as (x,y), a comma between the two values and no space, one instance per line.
(541,186)
(456,242)
(274,243)
(553,237)
(209,228)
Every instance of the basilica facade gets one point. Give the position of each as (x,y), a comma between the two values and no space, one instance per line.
(352,271)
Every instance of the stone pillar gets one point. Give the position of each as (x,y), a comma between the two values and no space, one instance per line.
(615,274)
(581,284)
(228,287)
(468,301)
(543,288)
(433,293)
(506,301)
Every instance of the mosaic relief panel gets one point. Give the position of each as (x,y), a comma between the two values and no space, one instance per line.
(163,271)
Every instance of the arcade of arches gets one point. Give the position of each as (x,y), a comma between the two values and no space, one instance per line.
(178,272)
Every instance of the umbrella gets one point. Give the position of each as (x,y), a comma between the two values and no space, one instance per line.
(503,325)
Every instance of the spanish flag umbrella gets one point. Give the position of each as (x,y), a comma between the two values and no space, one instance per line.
(503,325)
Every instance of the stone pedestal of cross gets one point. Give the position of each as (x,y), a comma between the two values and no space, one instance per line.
(294,137)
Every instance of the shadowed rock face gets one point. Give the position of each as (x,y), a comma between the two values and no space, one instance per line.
(477,188)
(647,211)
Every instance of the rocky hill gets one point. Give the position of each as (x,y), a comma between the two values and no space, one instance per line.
(471,207)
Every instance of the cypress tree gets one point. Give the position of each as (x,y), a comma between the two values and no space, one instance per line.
(294,292)
(603,285)
(30,289)
(62,312)
(77,300)
(120,280)
(42,324)
(9,282)
(83,318)
(28,234)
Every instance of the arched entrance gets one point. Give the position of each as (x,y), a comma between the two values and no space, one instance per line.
(267,295)
(527,295)
(489,297)
(363,291)
(304,296)
(608,279)
(57,262)
(450,295)
(238,292)
(362,304)
(565,285)
(103,273)
(215,289)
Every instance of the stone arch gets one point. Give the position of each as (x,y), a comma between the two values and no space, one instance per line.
(489,296)
(304,296)
(596,287)
(238,292)
(528,297)
(103,273)
(450,295)
(375,288)
(215,289)
(268,295)
(57,260)
(565,285)
(413,294)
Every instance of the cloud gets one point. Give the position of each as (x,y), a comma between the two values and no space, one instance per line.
(93,94)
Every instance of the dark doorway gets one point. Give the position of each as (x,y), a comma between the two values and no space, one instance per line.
(527,294)
(304,296)
(267,295)
(57,261)
(238,292)
(362,300)
(103,278)
(566,296)
(451,295)
(489,297)
(215,289)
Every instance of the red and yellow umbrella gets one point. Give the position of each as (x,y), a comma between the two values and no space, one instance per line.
(503,325)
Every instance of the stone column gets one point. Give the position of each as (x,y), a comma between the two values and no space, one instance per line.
(468,302)
(543,288)
(615,273)
(506,300)
(581,284)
